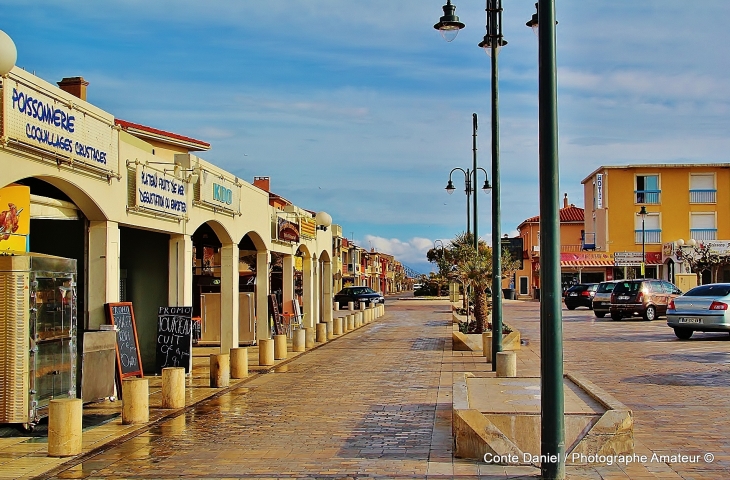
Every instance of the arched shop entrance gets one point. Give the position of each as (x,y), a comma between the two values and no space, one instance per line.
(207,284)
(253,287)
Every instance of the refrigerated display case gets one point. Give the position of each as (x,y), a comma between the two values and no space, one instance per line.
(37,334)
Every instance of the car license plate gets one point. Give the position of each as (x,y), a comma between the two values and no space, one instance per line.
(690,320)
(623,297)
(573,294)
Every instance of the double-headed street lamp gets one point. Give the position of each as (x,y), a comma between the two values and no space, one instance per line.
(449,25)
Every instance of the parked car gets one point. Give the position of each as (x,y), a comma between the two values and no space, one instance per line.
(357,295)
(602,298)
(642,298)
(704,309)
(580,295)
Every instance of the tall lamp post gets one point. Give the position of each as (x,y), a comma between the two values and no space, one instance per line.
(552,402)
(492,43)
(470,184)
(643,213)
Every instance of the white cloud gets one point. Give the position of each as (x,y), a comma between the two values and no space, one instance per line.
(409,251)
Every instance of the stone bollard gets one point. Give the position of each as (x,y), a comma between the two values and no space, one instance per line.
(64,427)
(338,326)
(351,306)
(321,336)
(359,318)
(309,337)
(506,364)
(173,387)
(487,346)
(299,341)
(135,401)
(266,351)
(330,329)
(362,306)
(220,370)
(239,362)
(279,347)
(350,322)
(336,306)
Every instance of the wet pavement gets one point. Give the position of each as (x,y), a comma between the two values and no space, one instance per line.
(377,403)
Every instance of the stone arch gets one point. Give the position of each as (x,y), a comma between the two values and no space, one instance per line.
(78,196)
(220,231)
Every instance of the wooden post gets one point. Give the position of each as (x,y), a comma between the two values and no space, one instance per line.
(64,427)
(135,400)
(173,387)
(239,362)
(220,374)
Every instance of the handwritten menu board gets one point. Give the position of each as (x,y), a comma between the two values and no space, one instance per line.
(129,361)
(174,337)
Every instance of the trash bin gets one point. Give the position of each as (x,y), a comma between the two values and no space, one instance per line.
(509,293)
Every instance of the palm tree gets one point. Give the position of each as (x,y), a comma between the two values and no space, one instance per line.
(475,271)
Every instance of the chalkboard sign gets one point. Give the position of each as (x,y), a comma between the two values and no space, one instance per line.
(129,362)
(278,318)
(174,337)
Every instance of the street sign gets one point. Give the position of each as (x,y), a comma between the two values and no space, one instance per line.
(627,259)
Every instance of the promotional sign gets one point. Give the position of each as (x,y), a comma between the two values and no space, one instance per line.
(627,259)
(14,218)
(174,338)
(599,190)
(219,192)
(286,230)
(129,360)
(161,191)
(719,247)
(37,116)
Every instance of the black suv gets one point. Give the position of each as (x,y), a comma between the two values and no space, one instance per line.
(642,298)
(580,295)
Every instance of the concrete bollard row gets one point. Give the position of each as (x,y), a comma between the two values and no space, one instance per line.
(239,362)
(135,401)
(321,335)
(350,322)
(173,387)
(299,340)
(506,364)
(330,329)
(220,370)
(266,352)
(309,337)
(64,427)
(279,347)
(338,326)
(351,306)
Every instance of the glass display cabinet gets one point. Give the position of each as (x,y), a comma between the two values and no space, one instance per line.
(37,335)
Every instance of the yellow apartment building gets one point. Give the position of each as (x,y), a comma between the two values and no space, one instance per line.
(684,203)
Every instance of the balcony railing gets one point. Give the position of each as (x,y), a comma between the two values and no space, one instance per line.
(702,196)
(570,248)
(647,196)
(703,233)
(650,236)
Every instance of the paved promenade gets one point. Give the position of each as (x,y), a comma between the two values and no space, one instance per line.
(376,402)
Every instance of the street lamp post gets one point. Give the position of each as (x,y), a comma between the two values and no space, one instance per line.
(552,401)
(492,43)
(470,183)
(642,213)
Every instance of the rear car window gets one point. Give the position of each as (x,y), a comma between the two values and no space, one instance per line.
(606,287)
(709,291)
(627,287)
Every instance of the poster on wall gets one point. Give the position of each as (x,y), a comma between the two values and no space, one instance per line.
(14,218)
(287,231)
(38,114)
(160,191)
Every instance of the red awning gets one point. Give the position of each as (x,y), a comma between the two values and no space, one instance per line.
(586,263)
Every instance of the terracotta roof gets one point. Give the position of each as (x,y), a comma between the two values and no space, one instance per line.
(569,214)
(162,135)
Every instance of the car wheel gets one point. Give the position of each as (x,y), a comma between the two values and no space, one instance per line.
(683,333)
(650,313)
(599,314)
(616,316)
(570,307)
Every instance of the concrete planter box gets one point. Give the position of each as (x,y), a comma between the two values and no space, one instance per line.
(501,417)
(472,342)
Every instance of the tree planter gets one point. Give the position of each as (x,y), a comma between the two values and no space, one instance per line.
(472,342)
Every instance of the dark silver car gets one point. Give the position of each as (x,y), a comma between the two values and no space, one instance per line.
(644,297)
(602,298)
(704,309)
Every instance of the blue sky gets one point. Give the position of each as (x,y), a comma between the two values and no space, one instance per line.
(362,109)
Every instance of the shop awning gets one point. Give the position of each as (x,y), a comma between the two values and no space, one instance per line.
(51,209)
(586,263)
